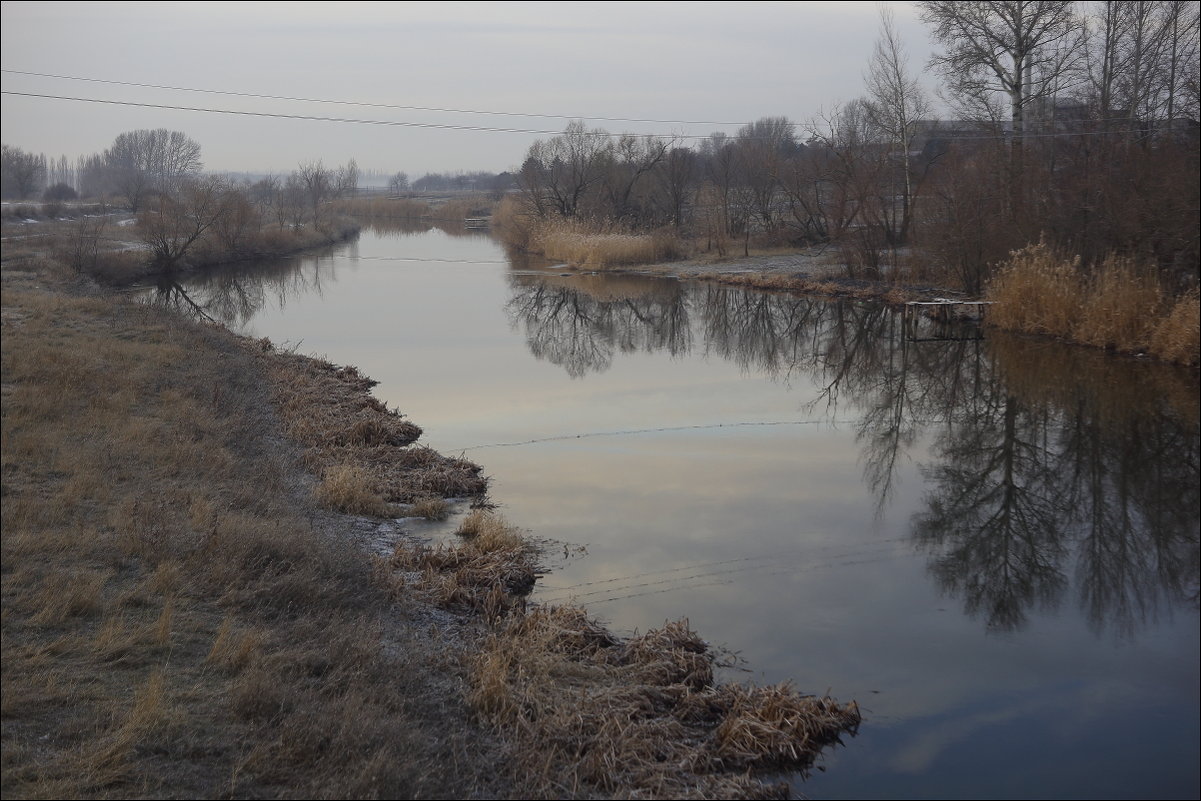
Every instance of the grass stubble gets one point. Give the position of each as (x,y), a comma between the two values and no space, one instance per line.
(189,608)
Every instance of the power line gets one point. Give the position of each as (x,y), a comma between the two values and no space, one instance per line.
(276,115)
(491,129)
(369,105)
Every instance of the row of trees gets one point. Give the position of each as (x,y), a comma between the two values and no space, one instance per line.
(137,164)
(182,212)
(1075,122)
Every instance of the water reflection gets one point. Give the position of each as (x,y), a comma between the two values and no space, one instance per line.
(579,323)
(1051,474)
(234,294)
(1050,466)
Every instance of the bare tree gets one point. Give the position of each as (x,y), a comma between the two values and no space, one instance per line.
(318,184)
(762,147)
(897,102)
(633,159)
(145,161)
(346,179)
(559,172)
(23,173)
(1022,50)
(399,183)
(677,181)
(175,222)
(1143,60)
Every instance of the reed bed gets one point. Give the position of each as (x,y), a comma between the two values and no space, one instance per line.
(385,208)
(595,247)
(515,222)
(458,209)
(1118,305)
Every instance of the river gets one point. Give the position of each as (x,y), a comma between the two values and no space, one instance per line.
(991,544)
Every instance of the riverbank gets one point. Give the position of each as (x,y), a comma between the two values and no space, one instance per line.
(107,246)
(187,611)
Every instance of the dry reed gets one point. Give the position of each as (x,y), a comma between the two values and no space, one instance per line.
(598,247)
(1118,305)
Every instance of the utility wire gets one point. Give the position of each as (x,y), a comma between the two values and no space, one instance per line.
(352,120)
(368,105)
(399,107)
(489,129)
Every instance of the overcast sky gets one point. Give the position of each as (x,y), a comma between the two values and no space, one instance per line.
(696,67)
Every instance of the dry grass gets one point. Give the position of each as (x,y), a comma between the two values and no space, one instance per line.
(515,222)
(1117,305)
(458,209)
(383,208)
(368,447)
(1176,335)
(592,715)
(489,572)
(350,489)
(430,508)
(641,717)
(595,247)
(179,619)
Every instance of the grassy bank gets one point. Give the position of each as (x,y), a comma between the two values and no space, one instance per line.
(191,606)
(116,249)
(181,617)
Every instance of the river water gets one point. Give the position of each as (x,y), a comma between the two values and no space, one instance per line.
(991,545)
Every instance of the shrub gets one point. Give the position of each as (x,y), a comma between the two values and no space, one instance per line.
(59,192)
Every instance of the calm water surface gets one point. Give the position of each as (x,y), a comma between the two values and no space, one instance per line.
(991,545)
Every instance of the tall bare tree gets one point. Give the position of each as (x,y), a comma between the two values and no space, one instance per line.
(23,173)
(145,161)
(897,103)
(559,172)
(1021,49)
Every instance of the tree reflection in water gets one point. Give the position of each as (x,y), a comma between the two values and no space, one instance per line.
(580,325)
(1050,466)
(234,294)
(1051,469)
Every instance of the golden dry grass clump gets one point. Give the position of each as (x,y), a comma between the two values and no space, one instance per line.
(515,222)
(640,717)
(1037,291)
(1177,335)
(1118,305)
(351,489)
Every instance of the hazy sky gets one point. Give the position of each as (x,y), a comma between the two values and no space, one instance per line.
(697,67)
